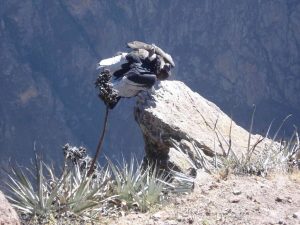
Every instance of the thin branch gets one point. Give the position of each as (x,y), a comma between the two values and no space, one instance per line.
(250,131)
(230,129)
(98,150)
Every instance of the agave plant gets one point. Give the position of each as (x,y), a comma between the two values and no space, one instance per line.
(273,158)
(80,194)
(40,193)
(33,199)
(139,186)
(128,178)
(151,190)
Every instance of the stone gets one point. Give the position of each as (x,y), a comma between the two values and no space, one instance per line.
(296,215)
(156,216)
(8,215)
(279,199)
(179,218)
(171,222)
(203,178)
(234,200)
(175,121)
(236,192)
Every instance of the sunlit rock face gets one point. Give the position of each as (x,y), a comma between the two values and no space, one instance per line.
(173,117)
(235,53)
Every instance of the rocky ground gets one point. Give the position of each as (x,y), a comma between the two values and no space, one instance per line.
(8,215)
(235,200)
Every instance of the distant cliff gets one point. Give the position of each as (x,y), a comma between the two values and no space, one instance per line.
(235,53)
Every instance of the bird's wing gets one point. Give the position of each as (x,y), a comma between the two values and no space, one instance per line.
(113,62)
(141,45)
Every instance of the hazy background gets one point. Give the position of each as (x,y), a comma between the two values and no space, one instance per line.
(235,53)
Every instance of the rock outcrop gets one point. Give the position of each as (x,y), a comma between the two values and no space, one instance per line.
(8,215)
(174,115)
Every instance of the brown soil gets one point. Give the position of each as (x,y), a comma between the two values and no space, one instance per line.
(237,200)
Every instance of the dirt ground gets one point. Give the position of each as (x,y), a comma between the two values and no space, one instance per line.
(237,200)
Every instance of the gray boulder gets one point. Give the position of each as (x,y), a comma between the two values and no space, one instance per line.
(8,215)
(173,118)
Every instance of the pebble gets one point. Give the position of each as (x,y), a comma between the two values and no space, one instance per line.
(190,220)
(178,201)
(237,192)
(179,218)
(171,222)
(226,211)
(249,197)
(150,222)
(296,215)
(234,200)
(156,216)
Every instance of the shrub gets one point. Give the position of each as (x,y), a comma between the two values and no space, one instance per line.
(41,196)
(276,157)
